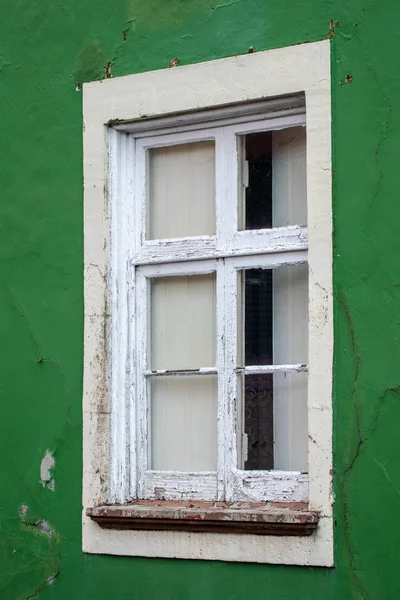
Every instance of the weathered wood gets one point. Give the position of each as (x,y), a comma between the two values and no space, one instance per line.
(181,372)
(214,517)
(265,369)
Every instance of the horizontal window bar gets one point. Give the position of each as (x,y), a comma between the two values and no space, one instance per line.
(261,369)
(280,240)
(181,372)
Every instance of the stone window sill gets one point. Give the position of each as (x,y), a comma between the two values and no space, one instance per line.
(259,518)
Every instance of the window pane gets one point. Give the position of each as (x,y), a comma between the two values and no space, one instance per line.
(181,190)
(274,319)
(272,187)
(255,188)
(290,314)
(184,423)
(258,317)
(258,422)
(290,422)
(183,322)
(274,422)
(274,331)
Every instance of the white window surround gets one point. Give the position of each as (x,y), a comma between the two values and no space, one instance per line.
(303,68)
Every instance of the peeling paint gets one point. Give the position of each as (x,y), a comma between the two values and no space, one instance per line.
(46,466)
(107,70)
(41,526)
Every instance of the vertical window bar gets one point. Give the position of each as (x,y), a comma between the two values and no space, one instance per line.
(142,413)
(232,417)
(222,392)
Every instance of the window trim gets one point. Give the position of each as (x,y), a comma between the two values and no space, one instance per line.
(303,68)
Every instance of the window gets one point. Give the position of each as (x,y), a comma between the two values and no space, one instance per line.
(208,359)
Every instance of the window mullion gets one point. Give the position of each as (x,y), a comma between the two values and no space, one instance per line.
(142,412)
(131,385)
(230,407)
(221,363)
(130,381)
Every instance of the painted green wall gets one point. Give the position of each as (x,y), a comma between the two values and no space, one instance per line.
(46,49)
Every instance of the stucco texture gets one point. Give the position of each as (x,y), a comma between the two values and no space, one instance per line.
(46,50)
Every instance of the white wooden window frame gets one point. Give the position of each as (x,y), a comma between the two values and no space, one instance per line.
(109,413)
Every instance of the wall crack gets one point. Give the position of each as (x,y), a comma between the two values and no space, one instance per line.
(347,470)
(219,6)
(361,443)
(40,357)
(45,583)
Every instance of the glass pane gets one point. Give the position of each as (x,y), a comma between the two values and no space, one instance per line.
(258,317)
(273,319)
(274,422)
(258,422)
(181,190)
(273,182)
(255,190)
(184,423)
(274,316)
(290,422)
(183,322)
(290,314)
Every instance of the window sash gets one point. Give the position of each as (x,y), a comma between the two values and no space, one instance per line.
(285,486)
(228,240)
(228,482)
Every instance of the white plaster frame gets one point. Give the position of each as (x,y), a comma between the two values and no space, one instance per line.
(302,68)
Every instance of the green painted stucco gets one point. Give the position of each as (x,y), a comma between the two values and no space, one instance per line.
(49,47)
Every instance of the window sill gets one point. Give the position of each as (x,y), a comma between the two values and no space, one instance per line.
(257,518)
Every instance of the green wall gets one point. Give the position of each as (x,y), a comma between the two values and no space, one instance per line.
(49,47)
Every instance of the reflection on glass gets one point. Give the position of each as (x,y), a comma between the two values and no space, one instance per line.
(181,190)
